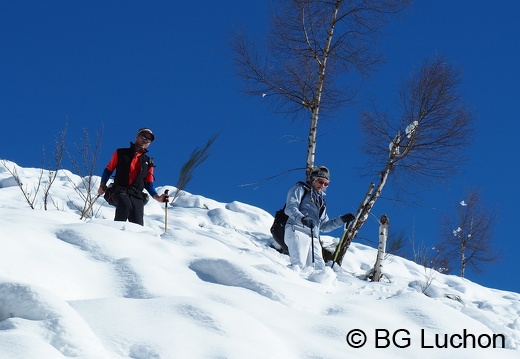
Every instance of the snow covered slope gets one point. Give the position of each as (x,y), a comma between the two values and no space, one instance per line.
(211,287)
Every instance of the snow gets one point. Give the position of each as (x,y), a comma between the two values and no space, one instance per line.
(411,128)
(212,287)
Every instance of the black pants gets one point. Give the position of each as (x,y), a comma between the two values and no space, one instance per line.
(130,207)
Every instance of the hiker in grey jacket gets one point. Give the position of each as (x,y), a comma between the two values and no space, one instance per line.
(307,213)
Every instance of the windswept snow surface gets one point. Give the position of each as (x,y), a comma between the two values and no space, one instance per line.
(212,287)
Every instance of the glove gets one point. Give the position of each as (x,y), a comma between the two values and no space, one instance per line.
(308,222)
(346,218)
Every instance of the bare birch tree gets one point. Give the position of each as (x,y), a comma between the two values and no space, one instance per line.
(313,44)
(425,143)
(468,235)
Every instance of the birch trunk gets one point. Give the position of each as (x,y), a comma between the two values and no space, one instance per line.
(315,107)
(366,205)
(383,236)
(362,214)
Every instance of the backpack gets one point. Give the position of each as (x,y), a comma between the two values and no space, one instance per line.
(278,229)
(110,195)
(280,219)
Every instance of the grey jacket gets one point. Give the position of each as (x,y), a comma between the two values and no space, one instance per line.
(312,205)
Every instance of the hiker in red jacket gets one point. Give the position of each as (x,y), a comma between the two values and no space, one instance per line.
(134,172)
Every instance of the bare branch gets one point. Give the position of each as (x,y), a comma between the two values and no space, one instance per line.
(313,46)
(198,156)
(86,169)
(30,198)
(468,235)
(435,124)
(52,172)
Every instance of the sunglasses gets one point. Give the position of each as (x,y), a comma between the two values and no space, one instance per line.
(322,182)
(144,138)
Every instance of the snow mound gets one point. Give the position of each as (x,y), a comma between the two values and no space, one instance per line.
(212,286)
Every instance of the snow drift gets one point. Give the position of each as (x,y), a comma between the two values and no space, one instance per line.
(213,287)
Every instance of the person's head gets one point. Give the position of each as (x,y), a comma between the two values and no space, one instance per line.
(144,137)
(320,177)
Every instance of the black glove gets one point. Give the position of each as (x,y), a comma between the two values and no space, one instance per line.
(308,222)
(347,218)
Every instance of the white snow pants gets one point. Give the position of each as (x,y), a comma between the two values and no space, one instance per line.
(300,251)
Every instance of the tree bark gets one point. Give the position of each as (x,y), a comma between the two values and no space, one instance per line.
(315,107)
(383,236)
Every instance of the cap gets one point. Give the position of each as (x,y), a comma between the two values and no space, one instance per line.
(146,130)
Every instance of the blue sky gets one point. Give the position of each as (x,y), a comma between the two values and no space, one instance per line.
(122,65)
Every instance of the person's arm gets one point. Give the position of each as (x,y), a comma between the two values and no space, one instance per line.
(292,204)
(328,225)
(153,192)
(150,188)
(107,172)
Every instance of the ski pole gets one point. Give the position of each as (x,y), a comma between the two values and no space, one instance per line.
(166,213)
(312,245)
